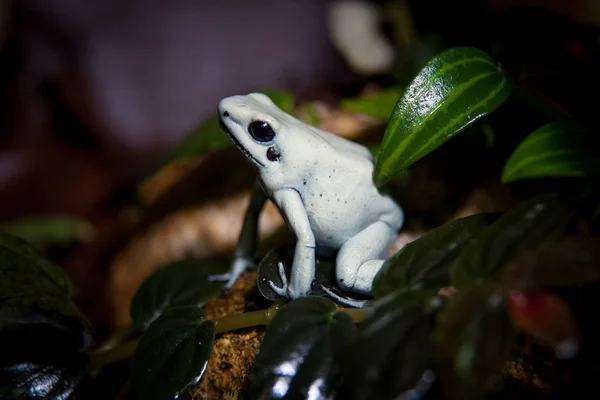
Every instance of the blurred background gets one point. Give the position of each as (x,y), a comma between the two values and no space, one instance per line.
(94,94)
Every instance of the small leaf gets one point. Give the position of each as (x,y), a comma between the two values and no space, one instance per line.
(49,229)
(454,89)
(172,354)
(378,105)
(425,263)
(522,227)
(557,149)
(393,348)
(208,136)
(473,339)
(268,269)
(298,356)
(570,261)
(181,283)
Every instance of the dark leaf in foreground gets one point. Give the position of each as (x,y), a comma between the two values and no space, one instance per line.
(181,283)
(473,339)
(542,218)
(425,263)
(172,354)
(392,352)
(299,357)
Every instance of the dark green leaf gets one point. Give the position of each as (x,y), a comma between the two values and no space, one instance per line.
(425,263)
(557,149)
(49,229)
(181,283)
(567,262)
(41,361)
(300,350)
(454,89)
(393,348)
(172,354)
(378,105)
(473,339)
(524,226)
(208,136)
(268,269)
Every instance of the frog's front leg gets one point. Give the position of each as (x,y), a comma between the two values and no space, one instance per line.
(246,245)
(290,204)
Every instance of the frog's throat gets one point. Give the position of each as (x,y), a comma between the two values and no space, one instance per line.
(237,143)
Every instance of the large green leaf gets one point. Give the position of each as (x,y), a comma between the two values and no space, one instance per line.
(181,283)
(473,339)
(557,149)
(49,229)
(454,89)
(299,355)
(425,263)
(392,352)
(378,105)
(173,354)
(522,227)
(42,333)
(208,136)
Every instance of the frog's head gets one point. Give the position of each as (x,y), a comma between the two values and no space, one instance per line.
(252,123)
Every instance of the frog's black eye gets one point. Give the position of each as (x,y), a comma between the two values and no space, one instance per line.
(261,131)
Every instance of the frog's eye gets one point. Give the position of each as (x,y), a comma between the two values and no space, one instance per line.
(261,131)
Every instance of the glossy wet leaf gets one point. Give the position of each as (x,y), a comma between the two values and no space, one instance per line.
(571,261)
(524,226)
(42,333)
(453,90)
(473,339)
(425,263)
(172,354)
(49,229)
(208,135)
(557,149)
(300,352)
(187,282)
(268,269)
(378,105)
(40,360)
(393,348)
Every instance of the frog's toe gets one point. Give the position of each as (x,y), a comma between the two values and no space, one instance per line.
(280,291)
(340,298)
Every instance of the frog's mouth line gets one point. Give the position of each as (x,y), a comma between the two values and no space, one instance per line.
(237,143)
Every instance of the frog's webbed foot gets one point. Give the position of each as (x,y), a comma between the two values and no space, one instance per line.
(239,265)
(283,290)
(341,298)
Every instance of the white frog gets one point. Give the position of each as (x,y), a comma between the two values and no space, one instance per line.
(323,186)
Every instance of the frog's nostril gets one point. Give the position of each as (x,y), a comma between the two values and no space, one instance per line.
(225,114)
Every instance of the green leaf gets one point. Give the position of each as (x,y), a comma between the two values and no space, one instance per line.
(379,105)
(300,351)
(268,270)
(49,229)
(473,339)
(454,89)
(181,283)
(393,348)
(571,261)
(522,227)
(29,282)
(172,354)
(425,263)
(208,136)
(42,333)
(557,149)
(41,361)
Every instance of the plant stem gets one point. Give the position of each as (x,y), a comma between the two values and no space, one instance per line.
(123,351)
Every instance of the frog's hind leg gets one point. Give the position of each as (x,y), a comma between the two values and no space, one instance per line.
(361,257)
